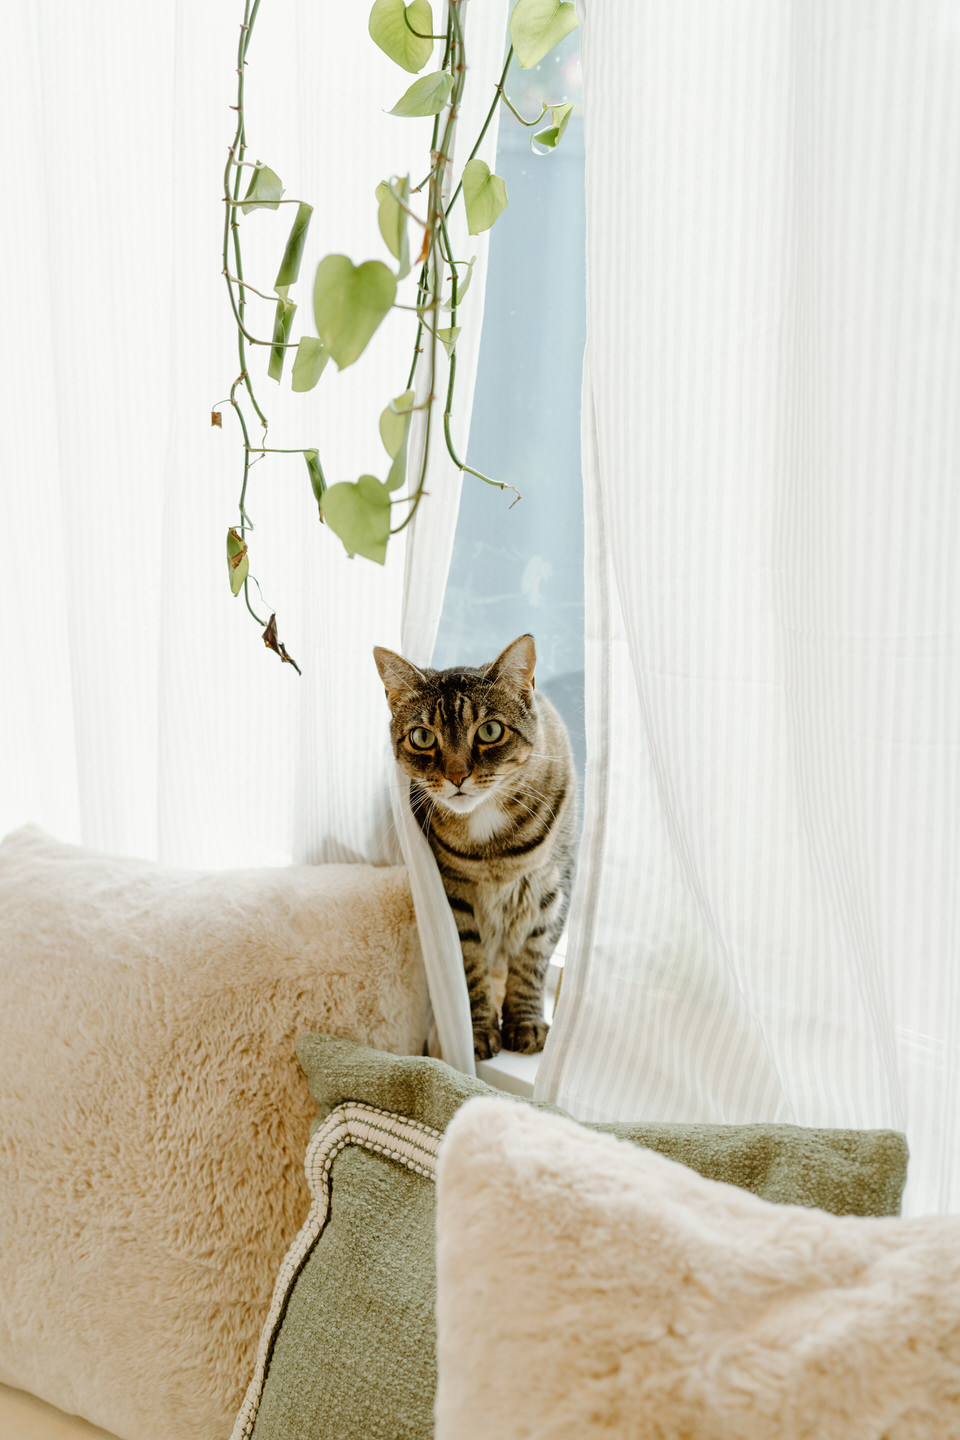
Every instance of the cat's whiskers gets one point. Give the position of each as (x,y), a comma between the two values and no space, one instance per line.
(424,806)
(501,807)
(431,811)
(526,789)
(517,801)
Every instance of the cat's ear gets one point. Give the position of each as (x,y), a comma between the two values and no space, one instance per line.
(516,665)
(400,678)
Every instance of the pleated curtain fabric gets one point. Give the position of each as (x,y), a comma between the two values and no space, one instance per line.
(140,712)
(431,543)
(765,923)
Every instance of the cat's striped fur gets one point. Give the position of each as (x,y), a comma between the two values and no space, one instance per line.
(496,795)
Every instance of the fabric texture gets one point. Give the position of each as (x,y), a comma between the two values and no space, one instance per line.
(430,545)
(767,916)
(153,1118)
(348,1349)
(632,1298)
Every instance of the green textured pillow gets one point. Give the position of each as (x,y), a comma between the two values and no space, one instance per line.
(348,1350)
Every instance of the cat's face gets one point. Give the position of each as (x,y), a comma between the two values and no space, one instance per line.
(462,733)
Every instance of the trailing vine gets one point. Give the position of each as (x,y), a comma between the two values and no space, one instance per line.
(351,301)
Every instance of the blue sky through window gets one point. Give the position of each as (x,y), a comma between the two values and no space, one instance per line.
(521,568)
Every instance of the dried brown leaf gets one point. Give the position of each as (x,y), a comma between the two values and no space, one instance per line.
(288,659)
(277,646)
(270,636)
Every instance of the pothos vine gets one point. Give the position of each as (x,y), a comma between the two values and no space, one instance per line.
(350,301)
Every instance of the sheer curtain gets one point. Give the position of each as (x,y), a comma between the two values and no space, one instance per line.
(141,713)
(765,923)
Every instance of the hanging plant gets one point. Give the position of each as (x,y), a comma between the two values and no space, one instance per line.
(350,301)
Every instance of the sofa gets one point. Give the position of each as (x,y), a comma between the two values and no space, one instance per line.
(238,1201)
(153,1117)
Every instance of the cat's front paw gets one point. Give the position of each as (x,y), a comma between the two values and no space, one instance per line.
(486,1039)
(525,1036)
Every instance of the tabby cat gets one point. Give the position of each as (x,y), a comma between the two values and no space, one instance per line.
(496,794)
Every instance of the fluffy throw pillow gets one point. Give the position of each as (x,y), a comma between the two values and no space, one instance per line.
(153,1117)
(348,1350)
(590,1288)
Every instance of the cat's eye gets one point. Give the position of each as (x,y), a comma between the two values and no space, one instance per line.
(490,732)
(422,739)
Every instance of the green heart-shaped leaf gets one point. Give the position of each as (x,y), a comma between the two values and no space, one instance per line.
(537,25)
(309,363)
(238,562)
(389,29)
(349,301)
(394,430)
(360,514)
(395,422)
(286,309)
(264,191)
(560,114)
(484,194)
(448,338)
(392,219)
(463,283)
(293,254)
(426,96)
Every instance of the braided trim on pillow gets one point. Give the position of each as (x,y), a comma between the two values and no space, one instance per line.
(408,1142)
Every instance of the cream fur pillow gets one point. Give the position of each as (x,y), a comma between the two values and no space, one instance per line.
(153,1117)
(587,1287)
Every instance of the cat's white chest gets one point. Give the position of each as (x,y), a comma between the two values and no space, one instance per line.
(486,821)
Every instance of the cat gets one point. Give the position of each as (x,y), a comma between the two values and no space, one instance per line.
(495,791)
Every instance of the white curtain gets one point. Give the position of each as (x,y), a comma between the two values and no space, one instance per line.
(140,711)
(766,916)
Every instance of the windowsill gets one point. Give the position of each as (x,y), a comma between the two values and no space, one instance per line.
(510,1071)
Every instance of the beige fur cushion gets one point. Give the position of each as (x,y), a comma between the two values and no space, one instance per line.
(587,1287)
(153,1117)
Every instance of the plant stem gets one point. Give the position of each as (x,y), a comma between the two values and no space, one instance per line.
(246,598)
(417,352)
(425,268)
(419,34)
(527,124)
(235,157)
(244,518)
(486,124)
(440,240)
(454,56)
(451,385)
(468,469)
(247,286)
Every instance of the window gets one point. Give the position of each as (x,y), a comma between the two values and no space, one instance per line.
(521,569)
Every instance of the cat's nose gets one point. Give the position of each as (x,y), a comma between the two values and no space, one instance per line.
(456,772)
